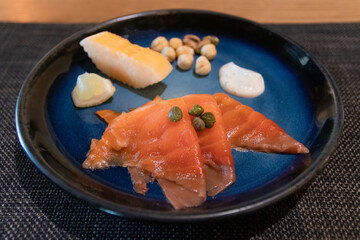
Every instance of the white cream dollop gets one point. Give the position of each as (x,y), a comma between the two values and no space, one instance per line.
(241,82)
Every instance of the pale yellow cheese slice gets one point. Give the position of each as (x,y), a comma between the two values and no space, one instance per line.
(129,63)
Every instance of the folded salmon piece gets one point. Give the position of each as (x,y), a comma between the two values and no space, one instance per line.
(151,146)
(139,177)
(249,129)
(215,148)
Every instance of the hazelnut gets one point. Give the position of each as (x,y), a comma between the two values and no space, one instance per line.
(185,61)
(202,66)
(213,39)
(175,43)
(190,43)
(169,53)
(192,37)
(201,44)
(209,51)
(159,43)
(184,50)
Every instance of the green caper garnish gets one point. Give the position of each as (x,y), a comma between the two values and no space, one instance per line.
(198,124)
(209,119)
(196,110)
(175,114)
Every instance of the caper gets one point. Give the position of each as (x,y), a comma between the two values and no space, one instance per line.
(198,124)
(196,110)
(175,114)
(209,119)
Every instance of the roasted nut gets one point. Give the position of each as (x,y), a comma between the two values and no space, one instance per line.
(169,53)
(201,44)
(159,43)
(175,43)
(202,66)
(185,61)
(190,43)
(192,37)
(209,51)
(184,50)
(213,39)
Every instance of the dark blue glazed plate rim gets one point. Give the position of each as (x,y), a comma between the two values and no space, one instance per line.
(38,143)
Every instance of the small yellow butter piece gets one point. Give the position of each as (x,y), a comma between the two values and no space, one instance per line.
(91,90)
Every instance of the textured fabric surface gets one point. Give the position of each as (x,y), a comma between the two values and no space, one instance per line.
(32,207)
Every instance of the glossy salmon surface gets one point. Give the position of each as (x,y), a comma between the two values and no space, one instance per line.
(251,130)
(150,145)
(215,148)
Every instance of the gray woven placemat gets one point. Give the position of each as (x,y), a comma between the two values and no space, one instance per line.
(32,207)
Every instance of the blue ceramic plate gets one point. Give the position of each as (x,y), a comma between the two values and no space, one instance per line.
(300,96)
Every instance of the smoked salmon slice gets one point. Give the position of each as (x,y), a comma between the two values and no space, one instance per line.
(146,140)
(139,177)
(108,115)
(249,129)
(215,148)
